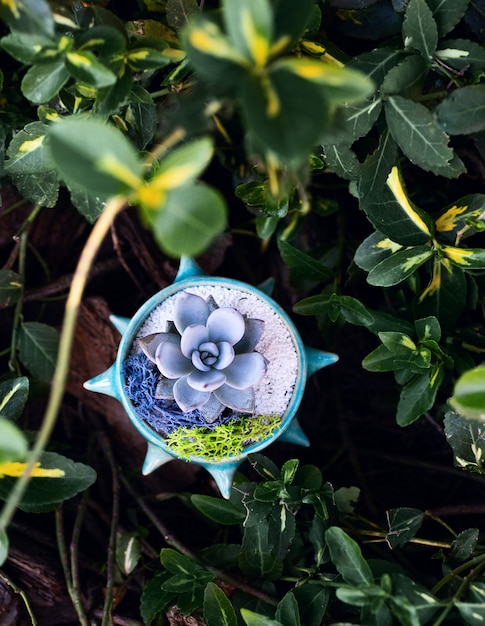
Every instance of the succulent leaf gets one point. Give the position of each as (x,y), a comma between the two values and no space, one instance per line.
(226,324)
(252,334)
(164,389)
(192,337)
(150,343)
(206,381)
(246,370)
(211,409)
(170,360)
(237,399)
(190,309)
(187,397)
(226,355)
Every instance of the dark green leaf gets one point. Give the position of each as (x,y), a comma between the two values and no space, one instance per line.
(28,16)
(255,619)
(94,156)
(302,264)
(38,187)
(403,523)
(466,439)
(447,14)
(141,116)
(420,598)
(469,394)
(257,558)
(264,466)
(86,68)
(37,346)
(372,596)
(27,151)
(347,557)
(308,477)
(380,360)
(312,601)
(291,19)
(46,494)
(377,63)
(462,54)
(26,47)
(218,611)
(354,312)
(419,30)
(317,539)
(406,77)
(396,268)
(373,250)
(287,612)
(399,344)
(176,563)
(463,547)
(89,206)
(3,547)
(221,555)
(376,169)
(190,601)
(10,287)
(44,81)
(153,599)
(472,613)
(404,611)
(418,134)
(343,161)
(428,328)
(179,11)
(13,396)
(220,511)
(463,112)
(418,396)
(190,219)
(179,583)
(351,122)
(13,444)
(462,218)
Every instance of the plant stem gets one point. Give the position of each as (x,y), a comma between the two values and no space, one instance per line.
(478,563)
(100,229)
(7,581)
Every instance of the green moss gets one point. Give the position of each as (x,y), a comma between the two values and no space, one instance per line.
(224,440)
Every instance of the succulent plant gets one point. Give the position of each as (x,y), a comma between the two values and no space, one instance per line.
(206,357)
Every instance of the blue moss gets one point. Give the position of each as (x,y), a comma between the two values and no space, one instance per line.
(164,416)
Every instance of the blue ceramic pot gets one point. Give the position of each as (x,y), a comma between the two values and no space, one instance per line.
(111,382)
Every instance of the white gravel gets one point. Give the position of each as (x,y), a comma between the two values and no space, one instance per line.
(274,391)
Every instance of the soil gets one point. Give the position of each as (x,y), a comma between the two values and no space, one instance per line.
(347,413)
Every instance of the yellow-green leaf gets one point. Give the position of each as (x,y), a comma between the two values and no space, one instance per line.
(394,182)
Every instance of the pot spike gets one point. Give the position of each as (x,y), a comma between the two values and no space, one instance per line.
(188,268)
(294,434)
(120,323)
(223,474)
(155,457)
(104,383)
(317,359)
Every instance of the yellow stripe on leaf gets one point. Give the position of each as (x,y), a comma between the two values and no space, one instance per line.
(111,165)
(435,282)
(257,44)
(395,185)
(449,219)
(12,6)
(459,256)
(208,39)
(175,176)
(16,469)
(31,145)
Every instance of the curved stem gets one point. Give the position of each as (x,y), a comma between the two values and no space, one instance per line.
(88,254)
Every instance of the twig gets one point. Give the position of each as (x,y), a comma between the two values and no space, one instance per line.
(115,514)
(174,542)
(9,582)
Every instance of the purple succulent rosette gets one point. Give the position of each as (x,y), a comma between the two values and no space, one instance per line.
(206,358)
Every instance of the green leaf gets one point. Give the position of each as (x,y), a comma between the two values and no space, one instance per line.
(3,547)
(398,343)
(352,121)
(469,394)
(463,112)
(354,312)
(179,12)
(183,164)
(38,187)
(462,218)
(128,552)
(37,347)
(396,268)
(347,557)
(404,611)
(403,523)
(46,494)
(218,611)
(249,26)
(287,611)
(220,511)
(419,29)
(406,77)
(221,555)
(373,250)
(176,563)
(145,58)
(463,547)
(466,440)
(420,598)
(377,63)
(312,601)
(257,558)
(418,396)
(94,156)
(255,619)
(10,287)
(286,112)
(418,134)
(375,170)
(89,206)
(26,47)
(27,151)
(380,360)
(153,599)
(343,161)
(302,264)
(13,444)
(86,68)
(179,583)
(291,22)
(462,54)
(447,14)
(372,596)
(14,393)
(28,16)
(43,81)
(395,216)
(472,613)
(190,219)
